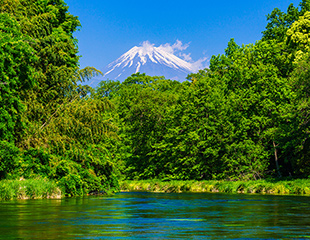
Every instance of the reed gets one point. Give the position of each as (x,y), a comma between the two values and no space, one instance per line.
(29,189)
(298,187)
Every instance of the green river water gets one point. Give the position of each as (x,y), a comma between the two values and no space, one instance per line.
(158,216)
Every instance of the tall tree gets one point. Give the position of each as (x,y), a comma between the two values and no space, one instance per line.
(50,27)
(16,74)
(143,105)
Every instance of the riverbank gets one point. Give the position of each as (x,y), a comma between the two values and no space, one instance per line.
(29,189)
(44,188)
(299,186)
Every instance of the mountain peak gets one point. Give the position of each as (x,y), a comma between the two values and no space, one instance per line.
(151,60)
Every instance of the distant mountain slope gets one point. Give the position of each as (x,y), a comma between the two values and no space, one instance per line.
(153,61)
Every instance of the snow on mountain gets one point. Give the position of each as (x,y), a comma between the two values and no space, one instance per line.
(151,60)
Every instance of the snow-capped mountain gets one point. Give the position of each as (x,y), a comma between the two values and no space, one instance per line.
(151,60)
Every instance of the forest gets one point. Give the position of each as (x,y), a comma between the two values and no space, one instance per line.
(246,117)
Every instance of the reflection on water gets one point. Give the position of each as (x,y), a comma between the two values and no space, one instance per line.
(158,216)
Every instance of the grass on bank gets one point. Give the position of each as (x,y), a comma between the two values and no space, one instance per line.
(29,189)
(45,188)
(299,186)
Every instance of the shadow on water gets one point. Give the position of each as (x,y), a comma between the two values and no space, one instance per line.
(158,216)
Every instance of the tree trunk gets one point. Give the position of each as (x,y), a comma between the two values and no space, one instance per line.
(276,159)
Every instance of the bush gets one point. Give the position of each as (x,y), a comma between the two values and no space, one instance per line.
(29,189)
(9,159)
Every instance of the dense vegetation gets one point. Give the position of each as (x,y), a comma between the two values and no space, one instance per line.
(282,187)
(48,126)
(246,117)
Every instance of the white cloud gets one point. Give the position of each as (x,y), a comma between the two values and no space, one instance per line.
(147,46)
(176,49)
(200,64)
(186,57)
(177,46)
(180,46)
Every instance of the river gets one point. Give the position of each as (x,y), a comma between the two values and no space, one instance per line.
(158,216)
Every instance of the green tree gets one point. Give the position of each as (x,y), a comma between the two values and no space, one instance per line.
(70,136)
(279,23)
(50,27)
(298,35)
(108,88)
(16,74)
(298,39)
(143,104)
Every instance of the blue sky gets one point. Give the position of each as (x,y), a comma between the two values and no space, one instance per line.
(110,28)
